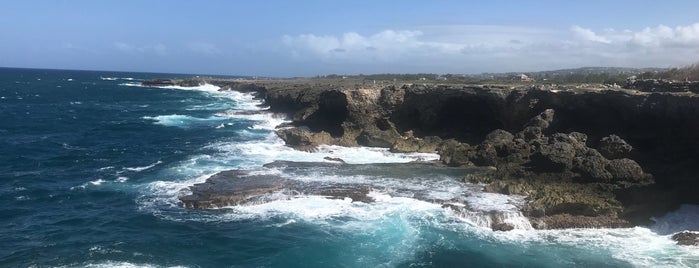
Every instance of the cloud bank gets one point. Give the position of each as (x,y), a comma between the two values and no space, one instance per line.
(476,48)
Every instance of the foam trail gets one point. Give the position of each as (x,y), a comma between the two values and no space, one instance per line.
(178,120)
(138,169)
(116,264)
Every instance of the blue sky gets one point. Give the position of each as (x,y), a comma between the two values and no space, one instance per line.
(307,38)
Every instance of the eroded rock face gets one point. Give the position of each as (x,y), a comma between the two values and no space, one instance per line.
(559,173)
(303,139)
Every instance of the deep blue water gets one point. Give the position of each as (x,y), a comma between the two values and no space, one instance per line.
(91,166)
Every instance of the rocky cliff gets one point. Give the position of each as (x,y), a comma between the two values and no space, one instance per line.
(585,157)
(619,156)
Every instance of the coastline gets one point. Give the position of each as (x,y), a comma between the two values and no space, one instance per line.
(376,116)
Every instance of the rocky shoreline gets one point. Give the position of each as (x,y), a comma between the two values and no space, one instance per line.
(584,156)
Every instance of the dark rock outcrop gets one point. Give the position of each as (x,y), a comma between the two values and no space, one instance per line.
(659,85)
(239,187)
(686,238)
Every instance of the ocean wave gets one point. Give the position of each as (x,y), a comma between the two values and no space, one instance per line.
(204,87)
(131,84)
(116,78)
(258,152)
(139,169)
(183,121)
(115,264)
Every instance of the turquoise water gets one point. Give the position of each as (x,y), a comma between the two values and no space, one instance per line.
(91,165)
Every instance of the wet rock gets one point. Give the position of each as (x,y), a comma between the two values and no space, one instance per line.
(614,147)
(239,188)
(335,159)
(502,227)
(295,164)
(547,198)
(686,238)
(229,188)
(566,221)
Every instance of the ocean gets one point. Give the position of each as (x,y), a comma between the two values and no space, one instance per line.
(92,164)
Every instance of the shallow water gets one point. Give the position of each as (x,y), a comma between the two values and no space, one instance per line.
(92,165)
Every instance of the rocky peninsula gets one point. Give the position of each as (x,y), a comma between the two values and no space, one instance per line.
(583,155)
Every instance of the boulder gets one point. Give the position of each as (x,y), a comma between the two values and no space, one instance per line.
(614,147)
(626,170)
(501,226)
(555,157)
(686,238)
(454,153)
(592,167)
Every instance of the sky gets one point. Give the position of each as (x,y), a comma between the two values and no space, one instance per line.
(309,38)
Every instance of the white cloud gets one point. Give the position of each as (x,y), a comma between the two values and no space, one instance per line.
(476,48)
(386,45)
(588,35)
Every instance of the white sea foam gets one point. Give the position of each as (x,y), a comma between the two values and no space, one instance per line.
(97,182)
(121,179)
(204,87)
(257,152)
(638,246)
(159,194)
(131,84)
(115,264)
(266,120)
(138,169)
(178,120)
(323,210)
